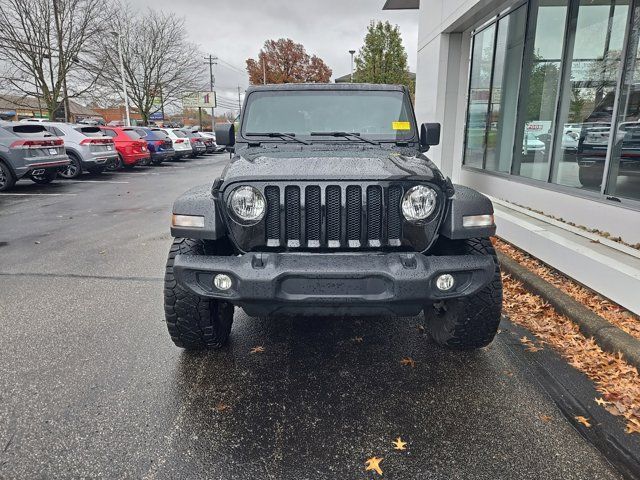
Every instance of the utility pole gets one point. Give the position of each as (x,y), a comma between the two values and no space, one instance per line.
(264,69)
(212,81)
(124,81)
(351,76)
(239,102)
(61,60)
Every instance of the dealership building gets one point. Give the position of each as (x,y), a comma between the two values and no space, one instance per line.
(539,101)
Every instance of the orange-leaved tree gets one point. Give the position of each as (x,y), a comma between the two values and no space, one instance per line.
(284,61)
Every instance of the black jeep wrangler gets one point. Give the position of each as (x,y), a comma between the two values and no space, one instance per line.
(330,207)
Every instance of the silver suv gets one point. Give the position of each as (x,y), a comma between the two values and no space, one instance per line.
(29,150)
(87,146)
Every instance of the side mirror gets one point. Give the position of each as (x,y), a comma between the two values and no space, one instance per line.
(429,135)
(226,135)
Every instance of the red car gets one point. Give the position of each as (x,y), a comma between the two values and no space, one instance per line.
(132,148)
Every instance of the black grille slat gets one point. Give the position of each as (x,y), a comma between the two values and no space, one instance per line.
(272,194)
(313,213)
(346,216)
(292,213)
(374,213)
(394,222)
(333,214)
(354,212)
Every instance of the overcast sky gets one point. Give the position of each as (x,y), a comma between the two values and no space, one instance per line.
(235,30)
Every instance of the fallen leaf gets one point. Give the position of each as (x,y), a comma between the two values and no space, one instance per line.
(545,418)
(373,463)
(258,349)
(398,444)
(221,407)
(600,402)
(358,339)
(102,252)
(408,361)
(583,420)
(421,328)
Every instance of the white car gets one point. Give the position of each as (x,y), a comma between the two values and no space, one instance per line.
(181,143)
(531,144)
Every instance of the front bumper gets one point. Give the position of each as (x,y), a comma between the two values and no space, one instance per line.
(268,283)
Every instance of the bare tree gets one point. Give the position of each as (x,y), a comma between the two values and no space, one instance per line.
(160,64)
(46,48)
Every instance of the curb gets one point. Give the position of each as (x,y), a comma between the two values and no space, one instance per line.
(608,337)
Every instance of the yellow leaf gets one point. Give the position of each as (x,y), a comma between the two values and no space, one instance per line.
(399,444)
(583,420)
(600,402)
(373,463)
(545,418)
(408,361)
(258,349)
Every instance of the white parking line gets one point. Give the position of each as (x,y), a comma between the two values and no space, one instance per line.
(38,194)
(92,181)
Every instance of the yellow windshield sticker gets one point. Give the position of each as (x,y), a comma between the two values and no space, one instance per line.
(401,126)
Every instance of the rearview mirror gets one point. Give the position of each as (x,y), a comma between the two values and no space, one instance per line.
(226,135)
(429,135)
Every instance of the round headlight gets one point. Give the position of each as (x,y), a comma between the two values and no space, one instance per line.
(418,203)
(247,203)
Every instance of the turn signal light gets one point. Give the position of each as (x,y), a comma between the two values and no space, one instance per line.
(188,221)
(477,221)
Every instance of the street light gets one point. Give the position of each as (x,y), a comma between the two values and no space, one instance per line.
(124,82)
(351,76)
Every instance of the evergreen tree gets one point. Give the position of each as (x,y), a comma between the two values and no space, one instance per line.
(382,59)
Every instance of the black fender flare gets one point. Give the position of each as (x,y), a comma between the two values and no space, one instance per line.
(465,202)
(199,201)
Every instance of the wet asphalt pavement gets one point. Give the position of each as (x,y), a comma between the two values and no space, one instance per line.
(92,387)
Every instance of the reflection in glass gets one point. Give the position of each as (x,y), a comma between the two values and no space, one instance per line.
(624,169)
(479,91)
(588,93)
(504,90)
(540,82)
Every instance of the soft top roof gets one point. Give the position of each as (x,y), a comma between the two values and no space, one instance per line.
(325,86)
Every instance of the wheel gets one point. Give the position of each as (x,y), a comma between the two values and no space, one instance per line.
(469,322)
(590,177)
(73,170)
(195,323)
(48,176)
(117,164)
(7,180)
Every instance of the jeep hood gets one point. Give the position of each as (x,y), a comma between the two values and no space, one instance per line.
(339,165)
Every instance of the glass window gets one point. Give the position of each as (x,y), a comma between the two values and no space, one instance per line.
(588,92)
(540,82)
(479,93)
(504,90)
(624,169)
(378,114)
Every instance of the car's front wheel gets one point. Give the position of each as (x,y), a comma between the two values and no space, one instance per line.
(469,322)
(195,323)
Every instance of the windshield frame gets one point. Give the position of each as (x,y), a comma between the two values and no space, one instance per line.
(249,137)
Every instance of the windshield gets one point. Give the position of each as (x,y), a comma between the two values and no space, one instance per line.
(378,114)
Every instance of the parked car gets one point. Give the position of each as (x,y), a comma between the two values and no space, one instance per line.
(132,149)
(158,142)
(212,146)
(181,143)
(197,142)
(29,150)
(87,147)
(291,227)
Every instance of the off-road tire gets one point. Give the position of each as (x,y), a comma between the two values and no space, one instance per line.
(590,177)
(75,166)
(469,322)
(48,176)
(195,323)
(7,180)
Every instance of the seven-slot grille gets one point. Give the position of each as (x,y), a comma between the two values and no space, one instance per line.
(333,216)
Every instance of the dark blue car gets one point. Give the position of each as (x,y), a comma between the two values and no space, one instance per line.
(159,144)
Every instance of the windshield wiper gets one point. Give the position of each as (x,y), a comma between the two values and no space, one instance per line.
(344,134)
(290,136)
